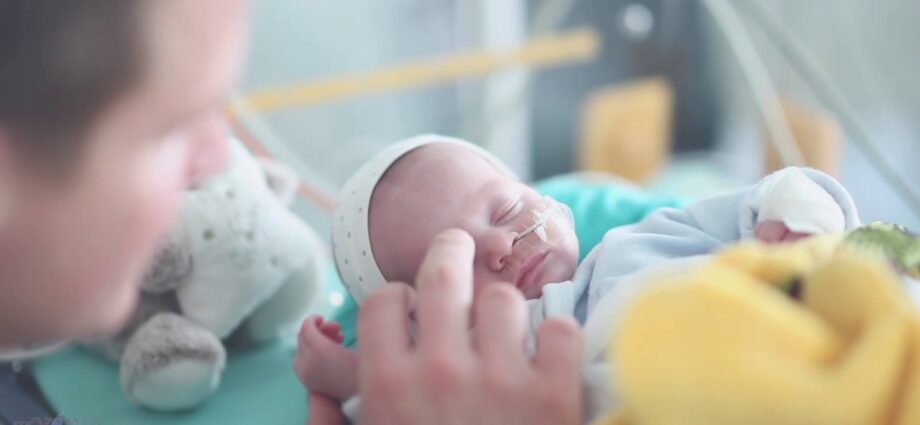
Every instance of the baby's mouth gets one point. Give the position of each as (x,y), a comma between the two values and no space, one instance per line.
(529,271)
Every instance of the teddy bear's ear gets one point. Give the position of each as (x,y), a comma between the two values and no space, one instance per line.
(281,179)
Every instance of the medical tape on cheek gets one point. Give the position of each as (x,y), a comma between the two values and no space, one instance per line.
(549,223)
(538,228)
(544,225)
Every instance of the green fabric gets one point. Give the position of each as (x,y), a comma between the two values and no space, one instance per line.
(600,205)
(258,385)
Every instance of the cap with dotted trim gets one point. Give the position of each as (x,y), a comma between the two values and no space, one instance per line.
(351,243)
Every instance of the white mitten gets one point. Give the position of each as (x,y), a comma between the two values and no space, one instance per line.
(803,199)
(801,204)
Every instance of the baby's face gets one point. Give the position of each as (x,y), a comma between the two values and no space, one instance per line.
(442,186)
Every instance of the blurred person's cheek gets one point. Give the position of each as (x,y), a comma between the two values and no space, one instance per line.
(208,151)
(159,180)
(134,194)
(151,201)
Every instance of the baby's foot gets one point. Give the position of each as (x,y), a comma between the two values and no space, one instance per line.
(330,328)
(322,363)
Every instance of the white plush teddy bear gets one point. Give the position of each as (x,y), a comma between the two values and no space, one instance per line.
(238,266)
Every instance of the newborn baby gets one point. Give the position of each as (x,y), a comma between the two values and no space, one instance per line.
(394,206)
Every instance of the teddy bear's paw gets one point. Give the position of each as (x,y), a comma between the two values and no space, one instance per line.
(171,363)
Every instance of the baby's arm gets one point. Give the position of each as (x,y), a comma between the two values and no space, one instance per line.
(794,203)
(323,365)
(707,225)
(804,201)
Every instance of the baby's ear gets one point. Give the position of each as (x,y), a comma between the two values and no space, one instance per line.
(281,179)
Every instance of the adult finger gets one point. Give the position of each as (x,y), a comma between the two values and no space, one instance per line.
(559,349)
(501,326)
(383,323)
(445,291)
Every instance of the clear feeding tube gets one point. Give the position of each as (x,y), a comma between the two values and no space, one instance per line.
(547,223)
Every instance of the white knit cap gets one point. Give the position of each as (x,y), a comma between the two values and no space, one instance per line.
(351,244)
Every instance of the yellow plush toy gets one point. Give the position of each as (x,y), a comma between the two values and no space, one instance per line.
(819,332)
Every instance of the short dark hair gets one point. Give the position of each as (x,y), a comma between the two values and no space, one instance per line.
(61,63)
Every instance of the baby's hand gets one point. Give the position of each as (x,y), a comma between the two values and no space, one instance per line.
(794,206)
(772,232)
(323,365)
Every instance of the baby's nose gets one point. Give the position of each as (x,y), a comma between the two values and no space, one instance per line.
(498,250)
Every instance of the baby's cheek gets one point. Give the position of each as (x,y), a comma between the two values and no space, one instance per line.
(571,250)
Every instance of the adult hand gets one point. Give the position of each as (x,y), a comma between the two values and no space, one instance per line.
(449,377)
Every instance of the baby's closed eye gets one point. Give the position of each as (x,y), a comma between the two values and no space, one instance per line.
(508,213)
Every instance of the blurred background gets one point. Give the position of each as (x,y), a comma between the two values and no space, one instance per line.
(682,97)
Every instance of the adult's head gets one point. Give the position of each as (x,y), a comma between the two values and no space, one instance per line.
(108,108)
